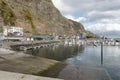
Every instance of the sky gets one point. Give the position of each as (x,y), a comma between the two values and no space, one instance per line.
(101,17)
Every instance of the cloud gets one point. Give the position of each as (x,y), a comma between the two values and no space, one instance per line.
(96,15)
(103,27)
(79,19)
(70,17)
(63,7)
(86,6)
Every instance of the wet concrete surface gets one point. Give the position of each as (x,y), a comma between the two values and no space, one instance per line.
(17,76)
(72,72)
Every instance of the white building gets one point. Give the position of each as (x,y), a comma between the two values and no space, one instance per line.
(13,31)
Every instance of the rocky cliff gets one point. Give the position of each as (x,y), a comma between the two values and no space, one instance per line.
(37,17)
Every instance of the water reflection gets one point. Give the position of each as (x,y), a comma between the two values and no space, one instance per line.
(90,56)
(60,52)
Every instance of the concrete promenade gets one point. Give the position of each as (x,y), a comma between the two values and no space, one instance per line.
(17,76)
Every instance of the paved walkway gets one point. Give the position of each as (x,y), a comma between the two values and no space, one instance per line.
(72,72)
(17,76)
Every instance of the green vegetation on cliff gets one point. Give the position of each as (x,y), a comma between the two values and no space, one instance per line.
(29,20)
(7,14)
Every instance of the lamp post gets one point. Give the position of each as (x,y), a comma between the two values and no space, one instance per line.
(101,53)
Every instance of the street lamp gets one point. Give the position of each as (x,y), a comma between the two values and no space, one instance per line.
(101,53)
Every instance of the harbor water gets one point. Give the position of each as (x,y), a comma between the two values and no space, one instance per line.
(89,56)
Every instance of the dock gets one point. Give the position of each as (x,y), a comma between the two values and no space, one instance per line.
(22,46)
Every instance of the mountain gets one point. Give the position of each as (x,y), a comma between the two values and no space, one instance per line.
(37,17)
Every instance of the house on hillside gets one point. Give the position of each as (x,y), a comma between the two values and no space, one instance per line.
(12,31)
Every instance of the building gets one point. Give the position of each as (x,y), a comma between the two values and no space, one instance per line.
(12,31)
(43,37)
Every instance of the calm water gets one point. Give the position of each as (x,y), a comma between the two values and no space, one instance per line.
(86,56)
(90,56)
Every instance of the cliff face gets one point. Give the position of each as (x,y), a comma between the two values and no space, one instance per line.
(37,17)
